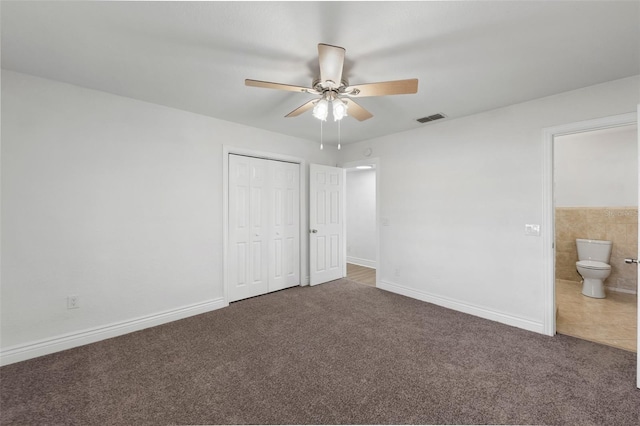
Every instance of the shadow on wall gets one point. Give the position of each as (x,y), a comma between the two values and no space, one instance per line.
(616,224)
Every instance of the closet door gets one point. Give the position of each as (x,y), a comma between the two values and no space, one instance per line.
(264,226)
(248,227)
(284,249)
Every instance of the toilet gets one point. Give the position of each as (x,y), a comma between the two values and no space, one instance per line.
(593,265)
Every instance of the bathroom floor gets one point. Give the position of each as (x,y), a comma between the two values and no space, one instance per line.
(611,321)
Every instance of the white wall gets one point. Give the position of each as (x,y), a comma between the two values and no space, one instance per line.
(115,200)
(457,194)
(597,169)
(361,217)
(119,202)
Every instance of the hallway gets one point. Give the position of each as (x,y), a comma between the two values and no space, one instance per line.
(361,274)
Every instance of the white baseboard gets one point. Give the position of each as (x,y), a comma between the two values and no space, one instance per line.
(467,308)
(71,340)
(620,290)
(362,262)
(615,289)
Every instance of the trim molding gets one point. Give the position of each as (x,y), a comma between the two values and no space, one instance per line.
(376,162)
(614,289)
(548,205)
(362,262)
(71,340)
(464,307)
(620,290)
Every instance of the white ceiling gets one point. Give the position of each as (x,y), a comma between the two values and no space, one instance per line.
(469,56)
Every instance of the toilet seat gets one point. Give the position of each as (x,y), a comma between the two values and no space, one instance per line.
(593,264)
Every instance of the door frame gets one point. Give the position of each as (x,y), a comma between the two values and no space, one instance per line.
(375,162)
(548,205)
(302,164)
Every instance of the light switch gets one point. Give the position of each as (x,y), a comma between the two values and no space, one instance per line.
(532,230)
(385,221)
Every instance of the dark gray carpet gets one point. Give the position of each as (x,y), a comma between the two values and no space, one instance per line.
(336,353)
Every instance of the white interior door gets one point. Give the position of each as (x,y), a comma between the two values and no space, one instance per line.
(284,256)
(326,222)
(248,254)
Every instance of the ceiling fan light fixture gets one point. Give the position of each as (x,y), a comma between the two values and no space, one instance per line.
(339,109)
(321,110)
(331,83)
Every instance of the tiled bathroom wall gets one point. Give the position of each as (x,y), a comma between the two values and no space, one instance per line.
(616,224)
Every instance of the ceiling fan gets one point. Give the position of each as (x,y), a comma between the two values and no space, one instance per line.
(332,88)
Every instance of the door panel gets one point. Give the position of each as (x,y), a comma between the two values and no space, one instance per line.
(247,221)
(326,220)
(259,224)
(321,209)
(334,251)
(321,253)
(285,226)
(241,261)
(289,257)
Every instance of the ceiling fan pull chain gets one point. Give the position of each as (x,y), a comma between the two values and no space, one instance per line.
(321,146)
(339,134)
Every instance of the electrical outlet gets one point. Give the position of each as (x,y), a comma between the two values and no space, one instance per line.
(397,272)
(73,302)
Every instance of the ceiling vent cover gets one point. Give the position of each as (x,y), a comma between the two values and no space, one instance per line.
(431,118)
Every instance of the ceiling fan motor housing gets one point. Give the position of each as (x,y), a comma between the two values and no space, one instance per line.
(323,86)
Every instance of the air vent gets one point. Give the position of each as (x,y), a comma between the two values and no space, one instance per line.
(431,118)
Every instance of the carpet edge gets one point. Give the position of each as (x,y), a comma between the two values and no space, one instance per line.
(63,342)
(478,311)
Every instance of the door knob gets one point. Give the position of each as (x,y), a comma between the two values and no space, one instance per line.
(631,261)
(313,231)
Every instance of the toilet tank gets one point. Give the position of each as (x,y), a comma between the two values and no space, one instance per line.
(598,250)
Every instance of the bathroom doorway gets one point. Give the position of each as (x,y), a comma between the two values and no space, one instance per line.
(595,197)
(361,219)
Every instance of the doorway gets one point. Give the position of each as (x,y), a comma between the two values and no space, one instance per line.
(548,208)
(361,220)
(596,198)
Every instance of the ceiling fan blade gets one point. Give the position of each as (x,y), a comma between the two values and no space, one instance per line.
(397,87)
(356,111)
(302,108)
(331,59)
(278,86)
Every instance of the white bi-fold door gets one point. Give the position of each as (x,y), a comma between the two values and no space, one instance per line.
(264,226)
